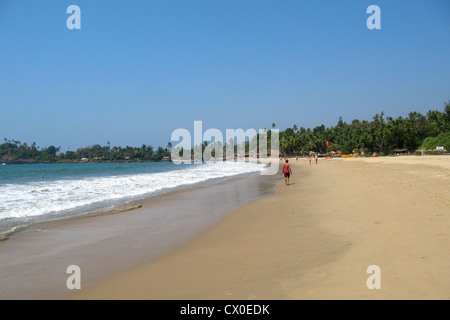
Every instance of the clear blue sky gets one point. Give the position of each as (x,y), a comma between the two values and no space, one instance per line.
(137,70)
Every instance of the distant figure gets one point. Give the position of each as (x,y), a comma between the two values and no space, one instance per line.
(296,158)
(316,158)
(309,158)
(374,155)
(287,172)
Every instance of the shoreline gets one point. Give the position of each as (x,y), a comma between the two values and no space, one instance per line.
(78,161)
(35,259)
(121,208)
(314,240)
(25,161)
(102,207)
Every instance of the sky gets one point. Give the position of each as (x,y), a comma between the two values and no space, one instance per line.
(138,70)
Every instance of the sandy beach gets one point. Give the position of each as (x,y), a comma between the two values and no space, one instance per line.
(34,260)
(315,239)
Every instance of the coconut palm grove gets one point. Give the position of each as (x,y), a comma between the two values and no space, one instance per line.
(414,133)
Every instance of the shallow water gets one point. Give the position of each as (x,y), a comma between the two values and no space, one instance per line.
(34,261)
(31,193)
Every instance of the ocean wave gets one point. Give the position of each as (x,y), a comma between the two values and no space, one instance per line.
(39,198)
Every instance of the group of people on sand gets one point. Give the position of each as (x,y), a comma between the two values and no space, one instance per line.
(287,170)
(316,158)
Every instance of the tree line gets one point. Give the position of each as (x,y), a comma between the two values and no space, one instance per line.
(15,151)
(383,135)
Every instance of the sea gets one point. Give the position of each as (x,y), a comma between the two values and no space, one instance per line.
(32,193)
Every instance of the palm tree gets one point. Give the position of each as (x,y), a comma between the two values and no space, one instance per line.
(310,145)
(284,145)
(295,127)
(274,125)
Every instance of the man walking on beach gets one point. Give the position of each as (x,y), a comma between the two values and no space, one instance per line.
(287,171)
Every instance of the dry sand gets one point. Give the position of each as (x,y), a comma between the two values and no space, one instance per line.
(315,239)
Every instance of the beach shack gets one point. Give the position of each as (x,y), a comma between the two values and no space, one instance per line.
(401,152)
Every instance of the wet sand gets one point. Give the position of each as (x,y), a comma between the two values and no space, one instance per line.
(33,261)
(315,239)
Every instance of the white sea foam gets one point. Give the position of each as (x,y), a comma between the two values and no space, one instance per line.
(38,198)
